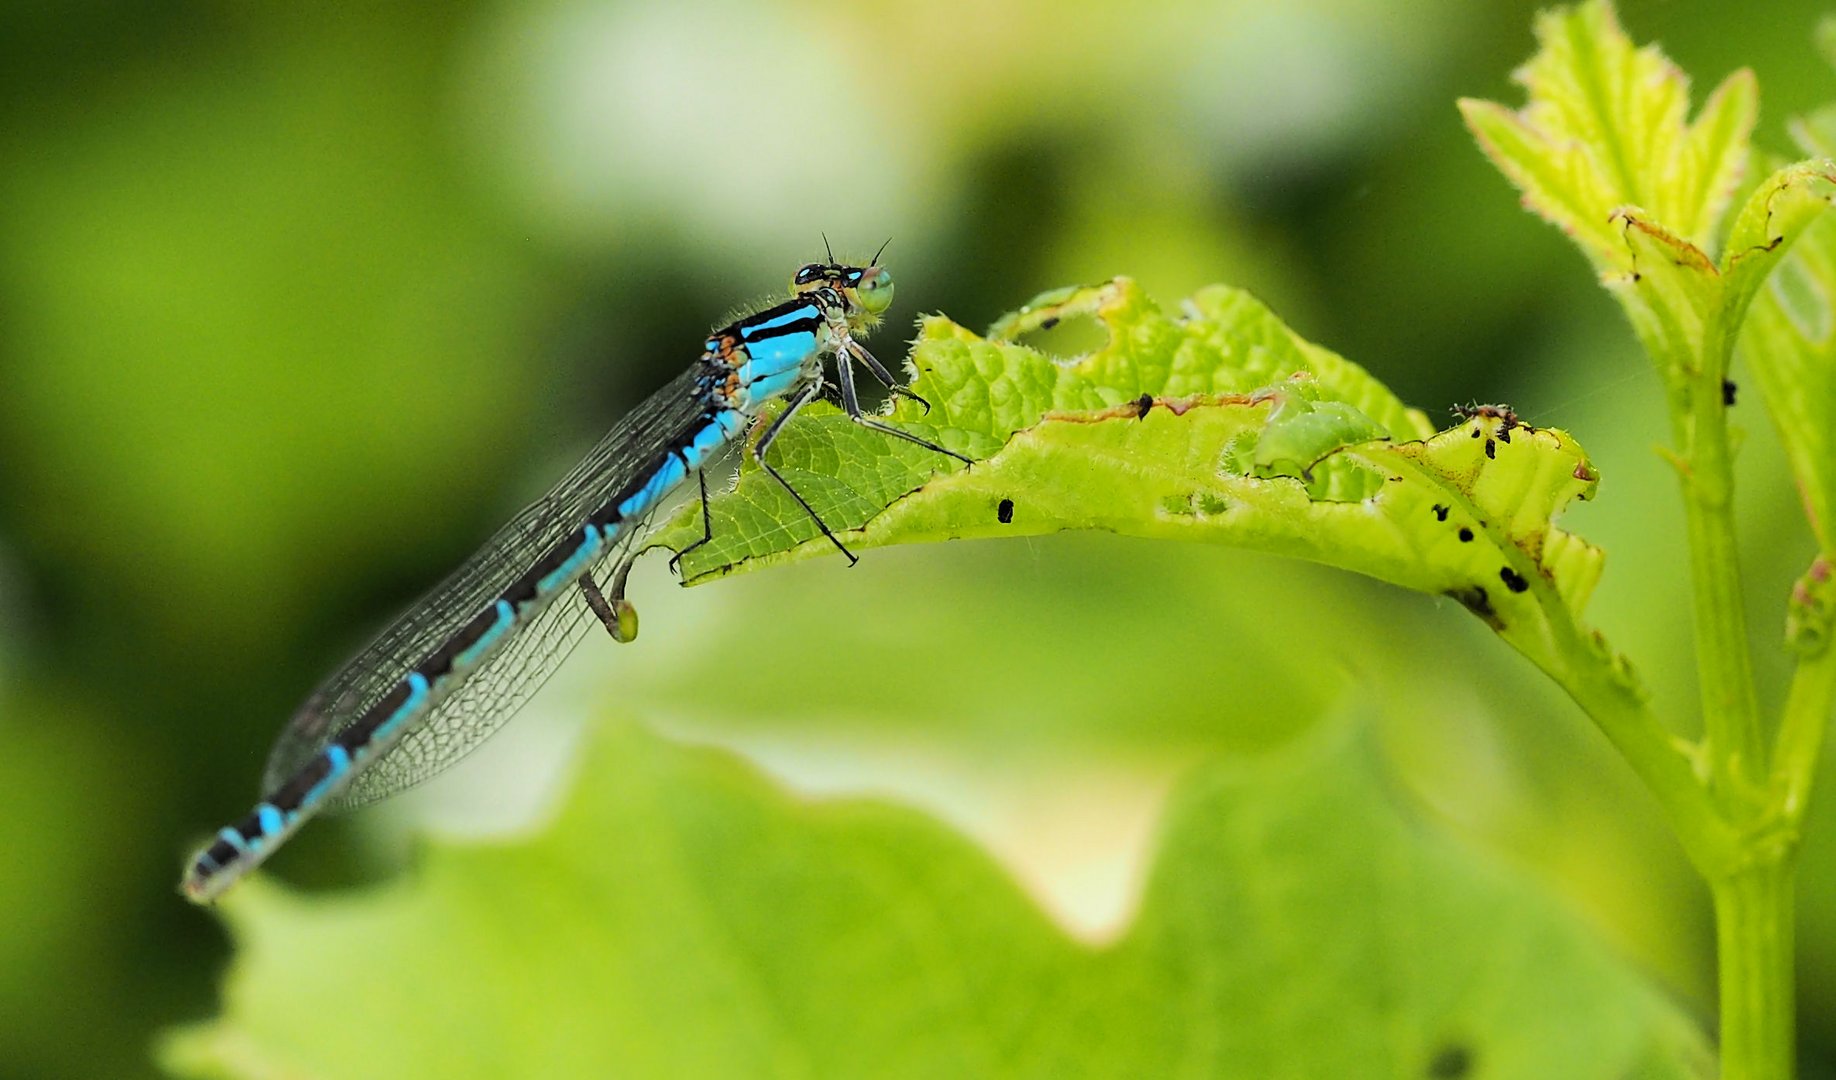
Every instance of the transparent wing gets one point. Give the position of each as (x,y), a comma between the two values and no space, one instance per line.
(481,705)
(494,690)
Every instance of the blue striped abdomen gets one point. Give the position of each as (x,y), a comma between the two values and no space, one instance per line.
(398,714)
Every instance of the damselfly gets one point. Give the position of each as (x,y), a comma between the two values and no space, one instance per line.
(454,667)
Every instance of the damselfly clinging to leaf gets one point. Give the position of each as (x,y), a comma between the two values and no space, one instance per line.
(454,667)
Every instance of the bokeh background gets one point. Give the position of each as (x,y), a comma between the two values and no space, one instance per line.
(297,304)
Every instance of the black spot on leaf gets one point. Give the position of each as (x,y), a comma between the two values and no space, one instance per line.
(1475,600)
(1466,535)
(1005,512)
(1451,1062)
(1512,580)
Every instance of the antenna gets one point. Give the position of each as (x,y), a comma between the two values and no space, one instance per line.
(876,255)
(827,250)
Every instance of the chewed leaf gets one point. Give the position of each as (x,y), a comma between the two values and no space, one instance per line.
(1670,290)
(1773,219)
(1512,480)
(1680,303)
(1465,513)
(981,391)
(1303,431)
(1223,427)
(713,924)
(1607,126)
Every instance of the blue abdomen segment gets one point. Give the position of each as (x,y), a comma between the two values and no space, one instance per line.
(240,846)
(663,480)
(707,441)
(503,617)
(703,443)
(591,538)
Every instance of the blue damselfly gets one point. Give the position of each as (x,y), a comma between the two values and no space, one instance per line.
(454,667)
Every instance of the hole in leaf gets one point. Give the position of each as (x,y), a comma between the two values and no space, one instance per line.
(1070,338)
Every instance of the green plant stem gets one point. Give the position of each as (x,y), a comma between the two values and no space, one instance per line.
(1753,937)
(1641,738)
(1730,706)
(1753,902)
(1800,739)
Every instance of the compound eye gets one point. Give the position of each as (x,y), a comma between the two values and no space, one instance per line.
(875,288)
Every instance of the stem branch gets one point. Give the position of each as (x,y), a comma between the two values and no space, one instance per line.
(1655,755)
(1800,739)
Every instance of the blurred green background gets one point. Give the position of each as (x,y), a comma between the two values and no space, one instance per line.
(296,306)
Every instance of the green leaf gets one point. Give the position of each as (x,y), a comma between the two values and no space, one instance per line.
(1775,216)
(1160,433)
(1683,306)
(1303,431)
(1223,426)
(1789,339)
(1607,126)
(684,917)
(1605,150)
(983,391)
